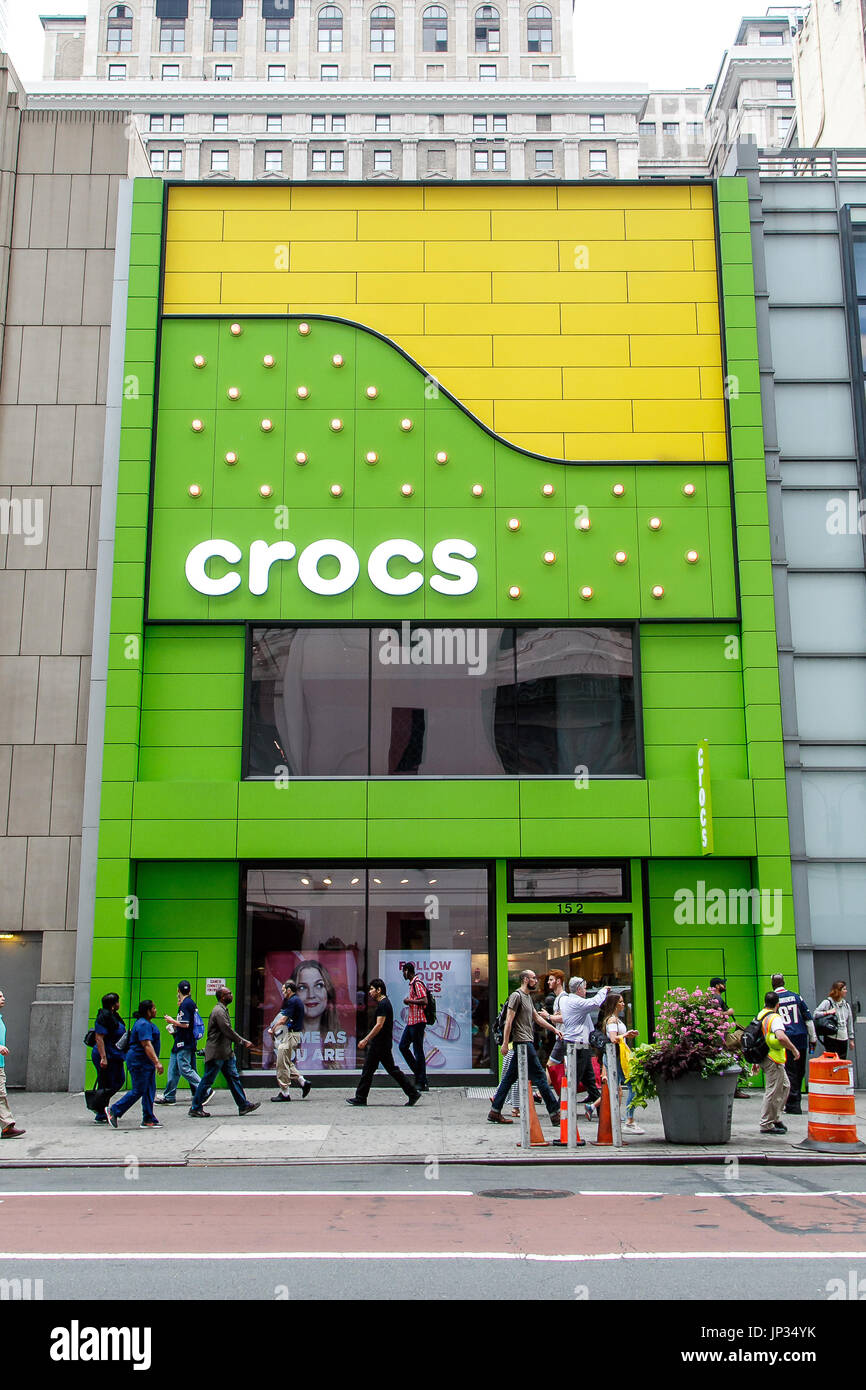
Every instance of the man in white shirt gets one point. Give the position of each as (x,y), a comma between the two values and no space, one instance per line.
(575,1016)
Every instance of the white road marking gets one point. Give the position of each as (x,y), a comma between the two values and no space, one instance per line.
(206,1192)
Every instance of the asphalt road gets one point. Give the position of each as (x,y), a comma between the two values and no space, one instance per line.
(387,1232)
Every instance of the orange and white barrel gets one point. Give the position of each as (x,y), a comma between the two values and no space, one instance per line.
(832,1121)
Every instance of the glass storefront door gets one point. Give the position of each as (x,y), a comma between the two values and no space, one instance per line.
(595,946)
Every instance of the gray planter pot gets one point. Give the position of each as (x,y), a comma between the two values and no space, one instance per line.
(697,1109)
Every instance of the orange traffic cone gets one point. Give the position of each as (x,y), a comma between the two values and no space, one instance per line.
(832,1122)
(536,1138)
(605,1126)
(563,1117)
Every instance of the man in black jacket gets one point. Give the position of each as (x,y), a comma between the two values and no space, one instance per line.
(218,1057)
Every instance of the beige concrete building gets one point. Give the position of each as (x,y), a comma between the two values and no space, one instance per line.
(753,95)
(830,70)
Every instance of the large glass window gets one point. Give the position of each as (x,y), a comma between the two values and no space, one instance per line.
(571,882)
(419,701)
(334,928)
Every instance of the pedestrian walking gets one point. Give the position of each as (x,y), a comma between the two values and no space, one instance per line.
(378,1046)
(218,1057)
(8,1127)
(776,1084)
(520,1019)
(575,1016)
(287,1029)
(106,1057)
(181,1062)
(837,1004)
(412,1041)
(716,995)
(610,1021)
(801,1030)
(556,1060)
(142,1063)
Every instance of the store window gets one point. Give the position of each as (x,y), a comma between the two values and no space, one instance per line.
(333,928)
(465,702)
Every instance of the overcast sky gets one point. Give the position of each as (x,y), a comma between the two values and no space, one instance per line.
(663,43)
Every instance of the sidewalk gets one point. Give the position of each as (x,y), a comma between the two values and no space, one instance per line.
(445,1125)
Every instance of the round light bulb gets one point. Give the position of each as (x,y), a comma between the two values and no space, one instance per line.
(301,457)
(336,425)
(655,523)
(548,490)
(233,393)
(658,591)
(584,524)
(692,557)
(406,424)
(268,360)
(236,330)
(303,329)
(194,490)
(336,490)
(549,557)
(513,523)
(620,557)
(266,490)
(197,426)
(477,490)
(337,360)
(586,592)
(441,457)
(372,392)
(199,361)
(407,490)
(267,426)
(689,489)
(618,489)
(231,457)
(303,392)
(514,591)
(372,456)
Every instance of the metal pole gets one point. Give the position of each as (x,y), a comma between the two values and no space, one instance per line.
(571,1093)
(523,1096)
(610,1059)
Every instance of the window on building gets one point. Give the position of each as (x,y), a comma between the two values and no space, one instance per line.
(175,122)
(276,72)
(118,38)
(540,72)
(539,30)
(500,125)
(671,128)
(338,161)
(487,72)
(174,160)
(596,125)
(157,124)
(225,36)
(382,161)
(171,36)
(499,161)
(219,161)
(783,125)
(544,161)
(329,72)
(479,125)
(532,701)
(278,36)
(338,124)
(435,72)
(481,161)
(273,161)
(434,29)
(647,128)
(318,124)
(784,89)
(330,29)
(382,30)
(545,881)
(171,72)
(543,123)
(695,130)
(157,161)
(222,72)
(381,72)
(116,72)
(273,124)
(598,161)
(771,38)
(382,124)
(436,123)
(319,161)
(486,29)
(220,125)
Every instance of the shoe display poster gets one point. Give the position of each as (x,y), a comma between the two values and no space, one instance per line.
(327,984)
(448,976)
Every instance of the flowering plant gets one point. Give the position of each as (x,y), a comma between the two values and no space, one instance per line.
(690,1036)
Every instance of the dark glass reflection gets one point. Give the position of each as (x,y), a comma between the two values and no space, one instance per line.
(567,881)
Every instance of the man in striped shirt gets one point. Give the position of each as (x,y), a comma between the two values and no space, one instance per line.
(412,1041)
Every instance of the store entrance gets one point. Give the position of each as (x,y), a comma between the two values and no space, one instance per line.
(597,947)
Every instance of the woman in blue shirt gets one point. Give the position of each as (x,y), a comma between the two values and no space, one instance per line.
(109,1026)
(142,1063)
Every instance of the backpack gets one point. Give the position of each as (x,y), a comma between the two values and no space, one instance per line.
(754,1042)
(499,1024)
(429,1006)
(197,1027)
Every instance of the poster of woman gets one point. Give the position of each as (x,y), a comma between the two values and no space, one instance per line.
(327,984)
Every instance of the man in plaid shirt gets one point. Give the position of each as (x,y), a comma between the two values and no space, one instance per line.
(412,1040)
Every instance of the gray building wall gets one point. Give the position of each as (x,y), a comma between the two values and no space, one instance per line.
(52,417)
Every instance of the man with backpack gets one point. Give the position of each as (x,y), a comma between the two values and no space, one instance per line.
(765,1045)
(188,1029)
(800,1028)
(521,1017)
(412,1042)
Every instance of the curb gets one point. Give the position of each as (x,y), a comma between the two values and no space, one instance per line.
(773,1160)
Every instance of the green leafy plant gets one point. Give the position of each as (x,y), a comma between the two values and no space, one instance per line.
(689,1037)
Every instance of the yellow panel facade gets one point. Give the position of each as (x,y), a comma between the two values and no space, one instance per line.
(579,322)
